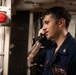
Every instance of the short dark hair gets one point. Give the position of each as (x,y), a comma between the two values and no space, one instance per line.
(59,12)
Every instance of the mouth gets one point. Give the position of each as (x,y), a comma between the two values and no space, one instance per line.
(46,33)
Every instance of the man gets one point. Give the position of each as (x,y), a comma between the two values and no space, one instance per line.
(60,58)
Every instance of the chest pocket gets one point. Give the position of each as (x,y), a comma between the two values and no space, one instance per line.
(59,70)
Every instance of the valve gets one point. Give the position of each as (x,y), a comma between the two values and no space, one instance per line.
(4,19)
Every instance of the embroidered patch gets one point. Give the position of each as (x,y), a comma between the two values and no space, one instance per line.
(58,70)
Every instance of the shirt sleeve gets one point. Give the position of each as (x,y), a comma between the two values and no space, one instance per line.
(72,66)
(40,57)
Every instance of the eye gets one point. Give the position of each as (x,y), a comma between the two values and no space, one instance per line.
(46,22)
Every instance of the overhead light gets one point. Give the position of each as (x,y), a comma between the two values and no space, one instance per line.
(36,4)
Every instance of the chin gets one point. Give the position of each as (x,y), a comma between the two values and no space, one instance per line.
(48,38)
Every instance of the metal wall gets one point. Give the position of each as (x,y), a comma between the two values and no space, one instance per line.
(19,42)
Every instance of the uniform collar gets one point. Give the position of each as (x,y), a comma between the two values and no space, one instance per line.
(65,44)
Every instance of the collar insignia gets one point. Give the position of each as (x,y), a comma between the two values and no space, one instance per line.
(64,50)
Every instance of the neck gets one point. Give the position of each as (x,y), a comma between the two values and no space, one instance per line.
(60,39)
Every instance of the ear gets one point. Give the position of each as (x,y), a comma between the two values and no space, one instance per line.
(61,22)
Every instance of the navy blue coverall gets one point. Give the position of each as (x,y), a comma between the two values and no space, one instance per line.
(61,63)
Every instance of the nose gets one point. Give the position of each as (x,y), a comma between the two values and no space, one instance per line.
(44,28)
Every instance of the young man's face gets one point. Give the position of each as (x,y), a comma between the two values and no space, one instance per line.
(51,27)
